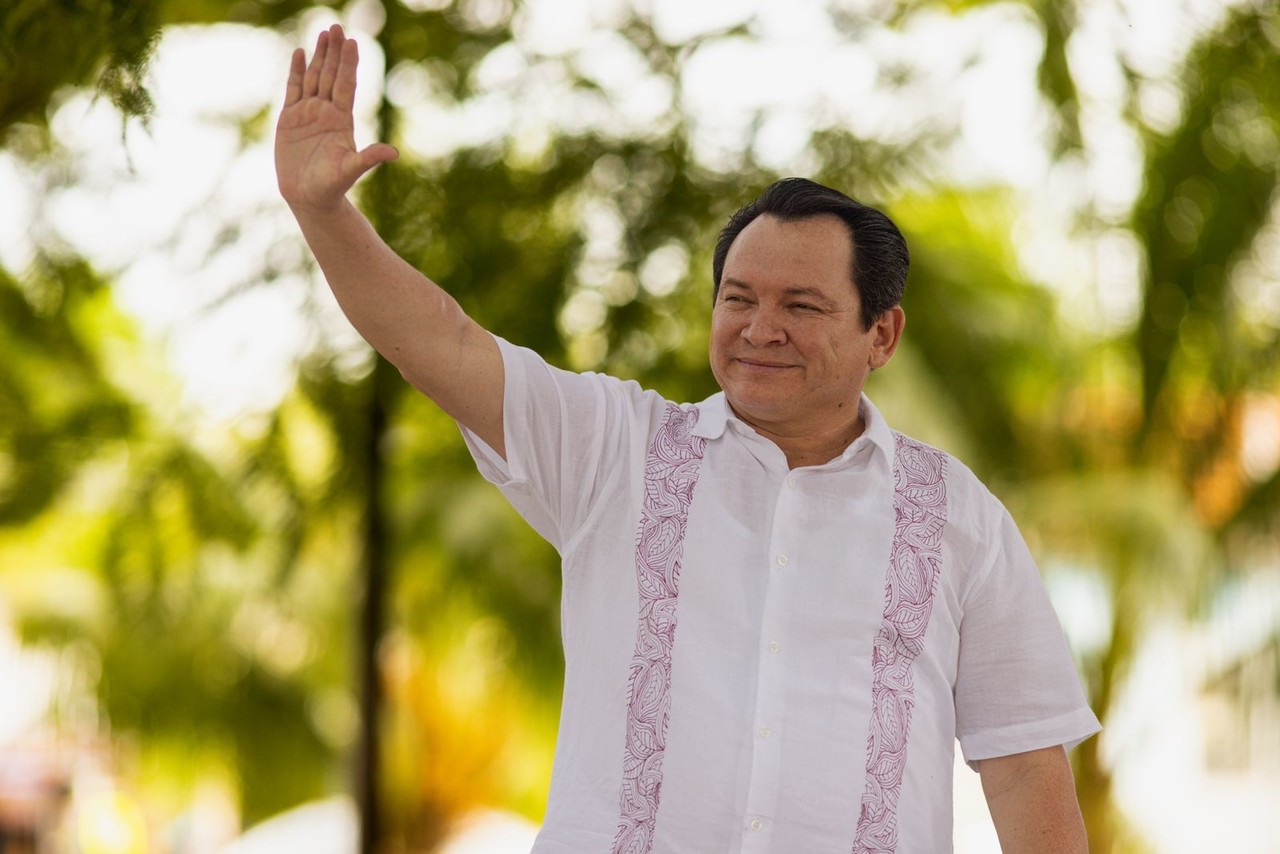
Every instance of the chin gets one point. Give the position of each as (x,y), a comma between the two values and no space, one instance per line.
(750,407)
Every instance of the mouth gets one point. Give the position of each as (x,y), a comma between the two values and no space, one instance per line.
(764,365)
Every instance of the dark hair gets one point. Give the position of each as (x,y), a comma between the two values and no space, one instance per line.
(880,256)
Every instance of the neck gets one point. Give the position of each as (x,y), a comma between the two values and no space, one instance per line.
(804,446)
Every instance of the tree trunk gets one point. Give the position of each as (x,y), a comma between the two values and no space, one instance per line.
(374,571)
(1093,777)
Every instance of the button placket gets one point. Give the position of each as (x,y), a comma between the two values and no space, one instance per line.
(770,712)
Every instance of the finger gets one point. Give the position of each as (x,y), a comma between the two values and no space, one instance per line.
(329,71)
(311,82)
(297,68)
(344,85)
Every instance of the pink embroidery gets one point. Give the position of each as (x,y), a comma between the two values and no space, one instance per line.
(915,560)
(671,470)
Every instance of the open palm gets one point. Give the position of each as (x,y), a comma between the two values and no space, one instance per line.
(316,157)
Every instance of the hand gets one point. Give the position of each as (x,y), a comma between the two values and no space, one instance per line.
(316,156)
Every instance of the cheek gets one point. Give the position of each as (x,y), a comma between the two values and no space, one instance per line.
(715,350)
(723,330)
(841,358)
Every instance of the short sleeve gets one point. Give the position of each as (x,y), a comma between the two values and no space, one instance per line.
(561,430)
(1016,688)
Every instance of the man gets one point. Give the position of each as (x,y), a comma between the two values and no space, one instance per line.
(779,615)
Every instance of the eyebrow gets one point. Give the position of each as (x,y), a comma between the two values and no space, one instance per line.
(791,291)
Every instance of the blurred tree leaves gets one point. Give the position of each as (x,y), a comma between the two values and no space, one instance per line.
(48,44)
(162,532)
(1209,190)
(56,404)
(226,571)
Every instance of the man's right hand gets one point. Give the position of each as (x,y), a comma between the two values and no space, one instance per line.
(316,157)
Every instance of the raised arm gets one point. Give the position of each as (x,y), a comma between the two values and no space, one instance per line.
(406,317)
(1033,803)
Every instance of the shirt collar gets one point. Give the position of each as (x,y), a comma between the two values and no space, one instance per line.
(714,415)
(877,429)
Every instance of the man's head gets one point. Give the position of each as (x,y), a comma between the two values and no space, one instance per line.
(807,290)
(880,256)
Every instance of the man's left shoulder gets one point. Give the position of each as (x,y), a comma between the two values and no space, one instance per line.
(970,505)
(909,451)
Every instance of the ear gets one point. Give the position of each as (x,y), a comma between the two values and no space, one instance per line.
(885,333)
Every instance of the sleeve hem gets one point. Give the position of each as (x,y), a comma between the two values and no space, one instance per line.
(491,465)
(1067,730)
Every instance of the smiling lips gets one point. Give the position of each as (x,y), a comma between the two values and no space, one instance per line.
(763,364)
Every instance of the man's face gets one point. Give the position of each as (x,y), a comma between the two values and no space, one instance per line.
(788,346)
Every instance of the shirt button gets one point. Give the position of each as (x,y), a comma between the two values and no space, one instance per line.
(756,825)
(783,560)
(792,482)
(765,732)
(774,646)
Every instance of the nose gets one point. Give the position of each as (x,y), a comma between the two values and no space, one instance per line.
(764,328)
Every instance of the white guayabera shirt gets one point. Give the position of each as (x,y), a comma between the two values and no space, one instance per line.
(761,659)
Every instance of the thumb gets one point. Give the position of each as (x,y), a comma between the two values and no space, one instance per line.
(374,154)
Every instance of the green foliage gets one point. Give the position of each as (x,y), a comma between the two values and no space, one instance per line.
(56,403)
(215,583)
(1209,189)
(986,335)
(196,641)
(1057,19)
(48,44)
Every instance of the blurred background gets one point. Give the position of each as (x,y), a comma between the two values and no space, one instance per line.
(253,596)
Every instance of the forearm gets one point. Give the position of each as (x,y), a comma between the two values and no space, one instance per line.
(403,314)
(408,319)
(1033,803)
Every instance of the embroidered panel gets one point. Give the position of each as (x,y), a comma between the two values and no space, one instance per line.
(671,471)
(915,561)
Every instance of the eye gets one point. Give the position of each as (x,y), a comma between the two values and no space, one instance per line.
(804,306)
